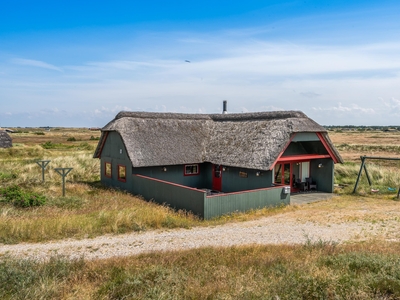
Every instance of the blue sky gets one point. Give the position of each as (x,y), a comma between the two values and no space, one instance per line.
(70,63)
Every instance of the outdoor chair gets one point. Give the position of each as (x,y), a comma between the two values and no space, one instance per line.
(312,185)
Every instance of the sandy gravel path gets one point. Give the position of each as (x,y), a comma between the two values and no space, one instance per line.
(268,230)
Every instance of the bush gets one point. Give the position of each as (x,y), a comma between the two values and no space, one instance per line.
(85,146)
(71,139)
(19,198)
(48,145)
(7,176)
(39,133)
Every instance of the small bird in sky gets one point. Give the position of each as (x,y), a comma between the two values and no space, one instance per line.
(188,61)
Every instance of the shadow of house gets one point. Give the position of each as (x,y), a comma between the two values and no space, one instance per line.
(217,163)
(5,140)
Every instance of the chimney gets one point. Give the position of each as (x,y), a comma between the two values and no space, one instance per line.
(224,109)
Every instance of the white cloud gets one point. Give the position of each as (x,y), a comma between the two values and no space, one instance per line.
(35,63)
(352,108)
(251,74)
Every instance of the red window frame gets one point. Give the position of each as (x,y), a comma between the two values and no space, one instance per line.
(191,174)
(120,167)
(105,169)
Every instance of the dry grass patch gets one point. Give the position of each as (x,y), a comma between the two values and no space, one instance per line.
(319,270)
(348,208)
(352,145)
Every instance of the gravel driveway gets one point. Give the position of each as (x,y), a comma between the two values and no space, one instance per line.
(268,230)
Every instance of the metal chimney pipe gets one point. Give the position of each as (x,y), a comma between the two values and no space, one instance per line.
(224,107)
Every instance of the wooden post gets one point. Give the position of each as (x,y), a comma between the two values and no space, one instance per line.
(43,164)
(366,173)
(359,173)
(63,172)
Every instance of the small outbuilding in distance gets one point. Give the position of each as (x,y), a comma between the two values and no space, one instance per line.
(214,164)
(5,139)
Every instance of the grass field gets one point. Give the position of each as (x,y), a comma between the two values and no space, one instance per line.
(315,270)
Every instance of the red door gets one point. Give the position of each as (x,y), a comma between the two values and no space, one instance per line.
(217,178)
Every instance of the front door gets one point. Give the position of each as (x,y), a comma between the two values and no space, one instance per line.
(217,178)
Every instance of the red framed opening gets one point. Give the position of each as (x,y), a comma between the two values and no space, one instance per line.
(217,178)
(122,173)
(292,173)
(190,170)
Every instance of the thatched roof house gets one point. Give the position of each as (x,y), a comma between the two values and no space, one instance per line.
(247,140)
(213,164)
(5,140)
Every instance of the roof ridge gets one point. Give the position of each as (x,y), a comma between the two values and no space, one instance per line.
(249,116)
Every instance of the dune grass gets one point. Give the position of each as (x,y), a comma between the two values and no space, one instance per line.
(90,210)
(384,175)
(314,270)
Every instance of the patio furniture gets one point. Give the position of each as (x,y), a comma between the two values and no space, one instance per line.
(312,185)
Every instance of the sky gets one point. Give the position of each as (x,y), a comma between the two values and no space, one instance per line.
(78,63)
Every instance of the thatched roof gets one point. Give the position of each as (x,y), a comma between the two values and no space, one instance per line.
(5,140)
(247,140)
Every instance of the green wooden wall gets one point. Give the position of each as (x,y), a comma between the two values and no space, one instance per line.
(233,182)
(196,201)
(228,203)
(176,174)
(114,152)
(324,176)
(176,196)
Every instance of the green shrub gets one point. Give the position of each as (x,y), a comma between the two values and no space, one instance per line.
(71,139)
(19,198)
(85,146)
(7,176)
(92,138)
(39,133)
(48,145)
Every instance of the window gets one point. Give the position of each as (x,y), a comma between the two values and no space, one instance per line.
(121,173)
(107,169)
(191,169)
(243,174)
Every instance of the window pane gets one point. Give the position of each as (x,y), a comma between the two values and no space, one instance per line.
(121,172)
(108,169)
(191,169)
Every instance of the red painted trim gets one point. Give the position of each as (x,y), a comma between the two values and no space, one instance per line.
(327,147)
(119,178)
(168,182)
(102,144)
(191,174)
(105,169)
(277,186)
(284,149)
(301,158)
(248,191)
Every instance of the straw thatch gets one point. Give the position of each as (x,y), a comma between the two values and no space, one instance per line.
(5,140)
(248,140)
